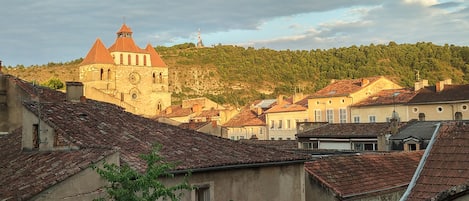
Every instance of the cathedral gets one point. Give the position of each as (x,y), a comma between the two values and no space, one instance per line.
(126,75)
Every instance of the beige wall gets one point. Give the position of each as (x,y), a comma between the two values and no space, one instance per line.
(237,133)
(381,112)
(432,111)
(273,183)
(343,102)
(84,186)
(322,105)
(145,95)
(287,130)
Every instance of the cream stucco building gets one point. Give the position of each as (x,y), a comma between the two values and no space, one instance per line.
(126,75)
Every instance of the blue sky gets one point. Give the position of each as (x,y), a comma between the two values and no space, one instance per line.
(38,32)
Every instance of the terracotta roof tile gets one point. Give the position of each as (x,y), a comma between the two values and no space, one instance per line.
(93,127)
(209,113)
(26,173)
(98,54)
(287,145)
(155,57)
(447,165)
(246,118)
(449,93)
(344,87)
(358,175)
(175,111)
(348,130)
(387,97)
(286,107)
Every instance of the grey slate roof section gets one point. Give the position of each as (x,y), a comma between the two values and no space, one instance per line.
(266,103)
(422,130)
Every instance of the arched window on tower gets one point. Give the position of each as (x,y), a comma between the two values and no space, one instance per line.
(136,60)
(154,78)
(145,60)
(129,58)
(101,74)
(160,78)
(108,74)
(121,59)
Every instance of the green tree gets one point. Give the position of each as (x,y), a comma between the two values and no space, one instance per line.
(54,83)
(128,184)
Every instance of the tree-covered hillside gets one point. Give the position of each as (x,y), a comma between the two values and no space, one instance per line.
(236,75)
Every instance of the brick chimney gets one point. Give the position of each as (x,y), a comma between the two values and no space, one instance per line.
(420,84)
(74,92)
(279,99)
(441,85)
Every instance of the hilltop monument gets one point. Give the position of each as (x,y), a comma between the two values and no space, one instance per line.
(126,75)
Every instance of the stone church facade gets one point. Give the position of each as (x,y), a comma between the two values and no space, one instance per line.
(126,75)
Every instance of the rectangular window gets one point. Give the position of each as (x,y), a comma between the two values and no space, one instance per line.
(261,131)
(330,115)
(280,124)
(280,138)
(317,115)
(288,124)
(272,124)
(202,193)
(232,137)
(36,139)
(307,145)
(343,115)
(356,119)
(372,119)
(272,138)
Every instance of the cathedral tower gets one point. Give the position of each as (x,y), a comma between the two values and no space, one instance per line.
(126,75)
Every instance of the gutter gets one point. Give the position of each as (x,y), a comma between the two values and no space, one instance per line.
(421,164)
(237,166)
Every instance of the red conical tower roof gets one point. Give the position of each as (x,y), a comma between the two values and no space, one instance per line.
(124,41)
(98,54)
(155,57)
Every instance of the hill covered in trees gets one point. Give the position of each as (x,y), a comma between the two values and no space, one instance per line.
(236,75)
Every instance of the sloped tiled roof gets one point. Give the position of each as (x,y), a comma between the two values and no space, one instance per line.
(246,118)
(98,54)
(193,125)
(387,97)
(176,111)
(99,124)
(125,44)
(209,113)
(360,175)
(449,93)
(287,145)
(422,130)
(286,106)
(348,130)
(344,87)
(155,57)
(446,169)
(26,173)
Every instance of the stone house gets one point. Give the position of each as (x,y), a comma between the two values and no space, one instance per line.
(126,75)
(365,177)
(444,101)
(381,106)
(61,135)
(415,135)
(346,137)
(247,124)
(443,172)
(282,118)
(332,103)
